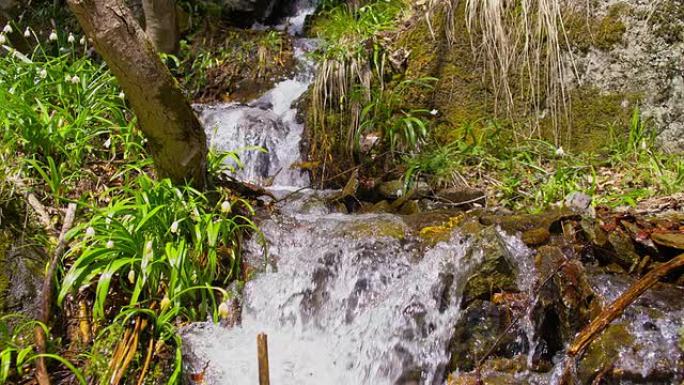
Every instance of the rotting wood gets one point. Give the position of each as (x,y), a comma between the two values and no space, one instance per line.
(262,355)
(589,333)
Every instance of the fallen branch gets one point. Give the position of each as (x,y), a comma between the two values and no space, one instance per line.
(587,335)
(46,300)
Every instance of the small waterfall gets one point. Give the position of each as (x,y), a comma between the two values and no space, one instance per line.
(265,133)
(348,300)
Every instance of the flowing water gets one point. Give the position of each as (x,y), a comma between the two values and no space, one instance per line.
(345,299)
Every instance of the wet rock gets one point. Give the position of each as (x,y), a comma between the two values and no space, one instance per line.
(244,13)
(565,303)
(381,207)
(478,331)
(495,274)
(672,240)
(623,251)
(536,237)
(579,202)
(409,208)
(462,195)
(395,189)
(641,346)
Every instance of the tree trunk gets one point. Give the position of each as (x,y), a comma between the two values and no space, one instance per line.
(161,25)
(176,138)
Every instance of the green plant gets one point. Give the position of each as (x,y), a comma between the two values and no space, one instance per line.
(17,350)
(154,243)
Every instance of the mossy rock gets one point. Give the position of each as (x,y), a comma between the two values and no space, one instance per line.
(602,32)
(495,274)
(478,330)
(603,351)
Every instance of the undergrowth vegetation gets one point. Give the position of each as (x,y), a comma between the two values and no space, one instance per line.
(144,257)
(366,111)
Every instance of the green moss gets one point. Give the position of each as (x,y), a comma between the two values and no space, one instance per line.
(667,20)
(603,350)
(595,118)
(5,240)
(585,32)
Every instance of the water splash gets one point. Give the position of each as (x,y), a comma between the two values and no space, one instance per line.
(266,133)
(342,306)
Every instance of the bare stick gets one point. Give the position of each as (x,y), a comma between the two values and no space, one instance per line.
(262,355)
(46,301)
(587,335)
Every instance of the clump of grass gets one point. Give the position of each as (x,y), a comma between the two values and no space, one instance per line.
(530,175)
(523,44)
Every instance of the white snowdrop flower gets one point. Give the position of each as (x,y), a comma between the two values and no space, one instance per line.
(434,112)
(560,151)
(7,29)
(225,207)
(75,79)
(27,33)
(90,232)
(43,73)
(3,39)
(148,247)
(223,310)
(399,193)
(108,143)
(174,227)
(71,39)
(122,95)
(131,276)
(144,140)
(82,41)
(53,36)
(110,244)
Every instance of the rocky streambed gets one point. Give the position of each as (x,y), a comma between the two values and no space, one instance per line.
(448,295)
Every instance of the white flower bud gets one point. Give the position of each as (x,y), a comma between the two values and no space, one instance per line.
(71,39)
(174,227)
(43,73)
(3,39)
(108,143)
(90,232)
(82,41)
(53,36)
(7,29)
(560,151)
(110,244)
(225,207)
(224,310)
(122,95)
(131,276)
(75,79)
(27,33)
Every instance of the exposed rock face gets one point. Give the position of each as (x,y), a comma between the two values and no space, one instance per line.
(648,62)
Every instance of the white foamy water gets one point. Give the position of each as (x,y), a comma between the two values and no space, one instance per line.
(343,304)
(265,133)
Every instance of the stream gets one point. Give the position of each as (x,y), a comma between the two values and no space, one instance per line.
(355,298)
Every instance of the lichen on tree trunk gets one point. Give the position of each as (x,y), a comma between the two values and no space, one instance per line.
(176,138)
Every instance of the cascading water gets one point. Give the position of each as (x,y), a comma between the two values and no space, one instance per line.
(343,301)
(265,133)
(351,299)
